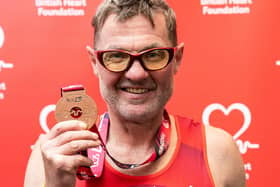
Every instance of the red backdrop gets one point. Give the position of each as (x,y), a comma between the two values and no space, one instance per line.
(229,77)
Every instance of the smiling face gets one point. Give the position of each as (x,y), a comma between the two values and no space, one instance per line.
(136,94)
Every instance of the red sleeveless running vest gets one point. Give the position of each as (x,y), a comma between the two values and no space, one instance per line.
(187,168)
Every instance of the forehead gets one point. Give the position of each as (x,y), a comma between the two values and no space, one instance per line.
(133,34)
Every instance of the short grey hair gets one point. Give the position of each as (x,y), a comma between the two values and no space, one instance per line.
(125,9)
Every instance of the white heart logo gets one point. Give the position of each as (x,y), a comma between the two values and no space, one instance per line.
(235,106)
(44,116)
(2,37)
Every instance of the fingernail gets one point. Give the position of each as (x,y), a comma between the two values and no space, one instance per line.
(98,142)
(95,136)
(83,125)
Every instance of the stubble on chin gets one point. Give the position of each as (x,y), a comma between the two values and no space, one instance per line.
(142,112)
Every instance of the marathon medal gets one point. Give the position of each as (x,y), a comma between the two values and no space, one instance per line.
(75,104)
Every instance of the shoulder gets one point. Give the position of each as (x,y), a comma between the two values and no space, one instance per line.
(224,158)
(219,139)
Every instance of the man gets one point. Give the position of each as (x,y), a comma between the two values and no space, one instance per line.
(135,57)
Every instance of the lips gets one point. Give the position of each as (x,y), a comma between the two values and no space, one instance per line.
(136,90)
(137,87)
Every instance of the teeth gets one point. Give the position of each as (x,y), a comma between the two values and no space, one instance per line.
(136,90)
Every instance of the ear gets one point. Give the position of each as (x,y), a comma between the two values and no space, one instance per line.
(178,56)
(92,58)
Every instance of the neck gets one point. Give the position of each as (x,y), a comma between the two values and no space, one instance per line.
(132,141)
(131,133)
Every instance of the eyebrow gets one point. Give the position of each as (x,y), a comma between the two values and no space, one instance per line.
(153,45)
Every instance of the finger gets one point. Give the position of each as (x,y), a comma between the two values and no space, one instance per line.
(76,146)
(73,135)
(80,160)
(68,163)
(69,125)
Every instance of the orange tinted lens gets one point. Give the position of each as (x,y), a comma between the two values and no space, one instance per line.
(115,60)
(155,59)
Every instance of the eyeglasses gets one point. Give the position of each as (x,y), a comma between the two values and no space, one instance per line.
(151,59)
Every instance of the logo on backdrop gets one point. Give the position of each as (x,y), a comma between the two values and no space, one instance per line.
(60,7)
(222,7)
(2,37)
(3,65)
(277,63)
(43,118)
(244,145)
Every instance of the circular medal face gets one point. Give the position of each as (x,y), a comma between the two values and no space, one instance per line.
(76,107)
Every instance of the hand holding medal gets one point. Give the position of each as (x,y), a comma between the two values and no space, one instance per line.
(75,104)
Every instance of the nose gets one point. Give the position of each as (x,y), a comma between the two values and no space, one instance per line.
(136,72)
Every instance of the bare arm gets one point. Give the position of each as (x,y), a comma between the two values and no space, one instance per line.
(35,175)
(54,159)
(224,159)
